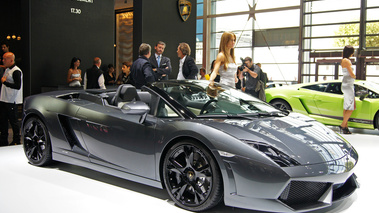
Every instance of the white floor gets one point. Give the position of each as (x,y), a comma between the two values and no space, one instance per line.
(64,188)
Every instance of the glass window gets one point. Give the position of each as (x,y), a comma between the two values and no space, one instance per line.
(334,88)
(278,19)
(230,6)
(317,87)
(329,43)
(372,3)
(372,27)
(242,53)
(284,54)
(232,23)
(199,8)
(373,14)
(165,111)
(268,4)
(372,41)
(199,26)
(280,72)
(327,5)
(334,17)
(330,30)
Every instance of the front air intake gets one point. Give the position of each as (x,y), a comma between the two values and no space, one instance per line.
(302,194)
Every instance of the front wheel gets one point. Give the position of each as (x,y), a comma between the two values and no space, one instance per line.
(191,176)
(37,145)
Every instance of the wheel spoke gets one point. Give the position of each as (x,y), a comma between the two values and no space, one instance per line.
(30,152)
(179,195)
(189,160)
(177,166)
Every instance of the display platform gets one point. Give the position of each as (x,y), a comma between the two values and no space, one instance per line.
(63,188)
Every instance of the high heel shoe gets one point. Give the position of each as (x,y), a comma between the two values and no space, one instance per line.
(341,128)
(346,130)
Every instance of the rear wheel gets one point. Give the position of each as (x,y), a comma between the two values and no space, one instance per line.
(281,104)
(376,120)
(191,176)
(37,145)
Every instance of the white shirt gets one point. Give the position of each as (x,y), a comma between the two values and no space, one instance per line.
(100,80)
(10,95)
(180,73)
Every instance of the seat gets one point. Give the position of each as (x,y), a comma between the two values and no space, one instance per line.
(144,96)
(124,93)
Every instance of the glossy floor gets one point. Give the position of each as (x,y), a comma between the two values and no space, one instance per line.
(64,188)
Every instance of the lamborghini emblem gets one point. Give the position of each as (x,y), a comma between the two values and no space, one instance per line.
(184,9)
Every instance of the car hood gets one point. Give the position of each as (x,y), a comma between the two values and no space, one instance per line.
(300,137)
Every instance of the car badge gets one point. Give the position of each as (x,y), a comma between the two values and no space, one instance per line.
(184,9)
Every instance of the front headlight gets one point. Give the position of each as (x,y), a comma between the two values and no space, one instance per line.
(274,153)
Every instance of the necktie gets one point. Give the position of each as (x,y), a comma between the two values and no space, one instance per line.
(159,60)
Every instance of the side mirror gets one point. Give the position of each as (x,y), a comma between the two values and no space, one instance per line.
(136,108)
(362,94)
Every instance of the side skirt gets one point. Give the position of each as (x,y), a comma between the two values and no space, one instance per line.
(106,170)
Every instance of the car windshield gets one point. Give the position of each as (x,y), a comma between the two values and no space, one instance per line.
(218,100)
(372,85)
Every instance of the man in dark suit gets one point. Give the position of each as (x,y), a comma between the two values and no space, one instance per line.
(161,64)
(187,65)
(141,71)
(94,78)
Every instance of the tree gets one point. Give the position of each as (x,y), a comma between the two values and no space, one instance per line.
(353,29)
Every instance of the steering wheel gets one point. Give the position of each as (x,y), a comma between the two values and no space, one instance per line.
(206,105)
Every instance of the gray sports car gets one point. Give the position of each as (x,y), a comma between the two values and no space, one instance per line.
(203,143)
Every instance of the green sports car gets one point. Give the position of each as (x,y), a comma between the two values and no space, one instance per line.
(323,101)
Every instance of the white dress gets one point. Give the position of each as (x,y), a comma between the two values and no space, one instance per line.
(227,76)
(348,90)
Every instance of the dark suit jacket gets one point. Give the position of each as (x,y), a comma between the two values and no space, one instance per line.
(141,72)
(161,70)
(189,68)
(93,75)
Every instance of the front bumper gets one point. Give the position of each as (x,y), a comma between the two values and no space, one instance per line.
(253,185)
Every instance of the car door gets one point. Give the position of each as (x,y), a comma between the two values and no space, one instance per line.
(330,102)
(308,98)
(118,140)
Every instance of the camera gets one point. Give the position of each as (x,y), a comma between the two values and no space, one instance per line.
(243,64)
(240,68)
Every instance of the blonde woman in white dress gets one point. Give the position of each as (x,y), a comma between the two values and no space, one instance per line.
(225,64)
(347,88)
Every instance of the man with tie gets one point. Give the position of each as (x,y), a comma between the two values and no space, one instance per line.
(161,64)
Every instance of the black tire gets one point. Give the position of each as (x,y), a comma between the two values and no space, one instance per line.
(37,145)
(281,104)
(376,120)
(192,177)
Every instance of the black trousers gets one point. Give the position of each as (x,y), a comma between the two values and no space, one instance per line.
(8,112)
(252,92)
